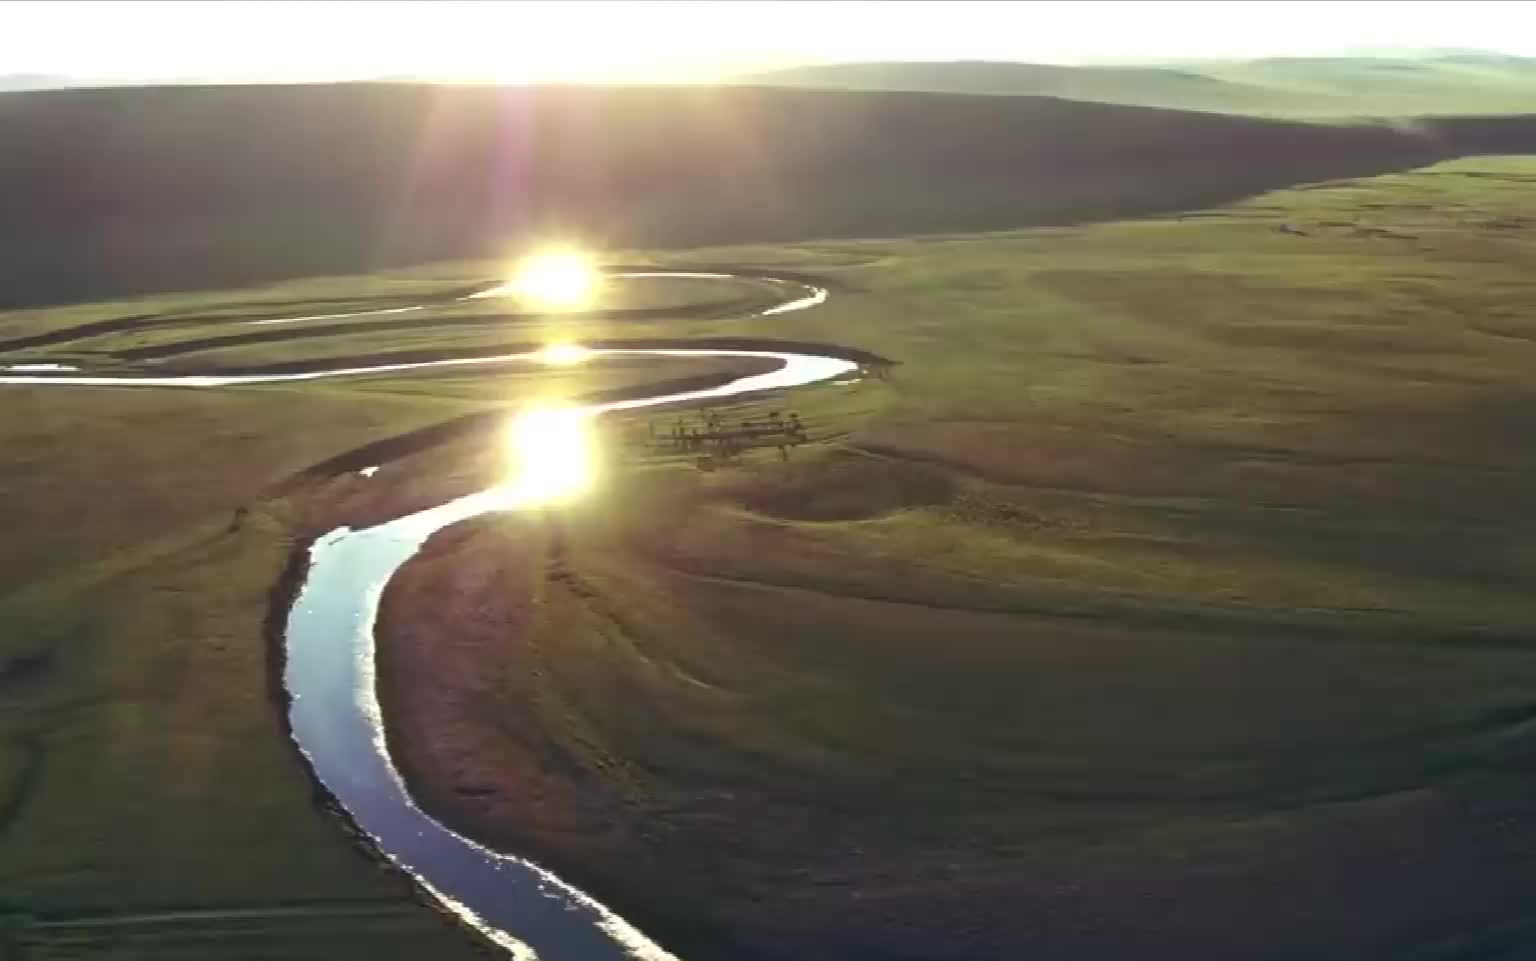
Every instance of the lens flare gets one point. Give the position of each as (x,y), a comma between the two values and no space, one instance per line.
(556,279)
(560,355)
(551,454)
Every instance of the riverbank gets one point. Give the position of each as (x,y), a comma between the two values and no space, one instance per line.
(1251,506)
(748,771)
(1161,606)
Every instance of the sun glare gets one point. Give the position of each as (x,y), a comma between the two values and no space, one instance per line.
(556,279)
(551,456)
(560,355)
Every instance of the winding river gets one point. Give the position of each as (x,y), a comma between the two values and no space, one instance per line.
(329,672)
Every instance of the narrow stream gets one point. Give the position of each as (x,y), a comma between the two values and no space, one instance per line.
(336,721)
(329,673)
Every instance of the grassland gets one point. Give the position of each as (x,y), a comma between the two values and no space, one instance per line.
(1172,600)
(149,805)
(1316,87)
(148,190)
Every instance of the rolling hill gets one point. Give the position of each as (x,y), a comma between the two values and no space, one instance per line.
(139,189)
(1457,82)
(1454,83)
(1146,86)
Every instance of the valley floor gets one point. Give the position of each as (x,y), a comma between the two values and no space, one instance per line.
(1172,599)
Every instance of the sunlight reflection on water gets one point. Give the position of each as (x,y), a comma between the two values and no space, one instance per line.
(552,456)
(563,354)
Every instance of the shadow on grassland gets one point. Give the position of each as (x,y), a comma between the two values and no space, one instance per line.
(114,192)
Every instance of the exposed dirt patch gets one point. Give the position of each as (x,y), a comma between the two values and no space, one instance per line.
(465,694)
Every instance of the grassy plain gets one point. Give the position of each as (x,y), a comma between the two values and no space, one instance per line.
(149,806)
(1172,600)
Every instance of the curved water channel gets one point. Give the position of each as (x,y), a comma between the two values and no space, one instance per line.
(329,673)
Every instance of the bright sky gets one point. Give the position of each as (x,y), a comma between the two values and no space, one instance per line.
(635,40)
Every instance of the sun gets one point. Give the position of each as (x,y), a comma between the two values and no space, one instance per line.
(556,279)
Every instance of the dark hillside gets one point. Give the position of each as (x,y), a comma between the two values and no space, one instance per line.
(115,191)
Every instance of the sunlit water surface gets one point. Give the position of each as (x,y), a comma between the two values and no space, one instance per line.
(335,714)
(330,670)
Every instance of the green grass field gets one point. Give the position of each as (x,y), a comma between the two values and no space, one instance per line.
(1173,595)
(1464,83)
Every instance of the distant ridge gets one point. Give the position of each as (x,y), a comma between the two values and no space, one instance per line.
(114,191)
(1444,82)
(10,82)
